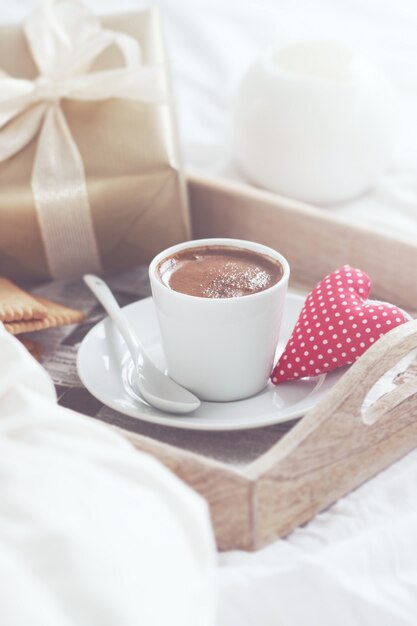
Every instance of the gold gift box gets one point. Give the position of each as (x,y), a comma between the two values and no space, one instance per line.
(130,153)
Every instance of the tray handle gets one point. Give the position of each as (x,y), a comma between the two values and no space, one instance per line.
(377,362)
(388,402)
(333,449)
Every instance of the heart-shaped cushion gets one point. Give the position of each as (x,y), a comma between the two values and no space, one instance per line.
(335,327)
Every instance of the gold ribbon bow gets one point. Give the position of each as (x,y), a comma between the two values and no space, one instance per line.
(64,40)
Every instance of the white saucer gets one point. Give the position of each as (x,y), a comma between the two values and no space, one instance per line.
(105,368)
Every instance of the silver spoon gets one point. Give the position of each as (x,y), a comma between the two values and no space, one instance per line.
(154,386)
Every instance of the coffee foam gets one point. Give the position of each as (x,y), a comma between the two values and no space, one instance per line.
(219,272)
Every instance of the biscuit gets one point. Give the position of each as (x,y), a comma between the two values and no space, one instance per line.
(17,305)
(56,315)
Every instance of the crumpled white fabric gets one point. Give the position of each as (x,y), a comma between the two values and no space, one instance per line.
(92,532)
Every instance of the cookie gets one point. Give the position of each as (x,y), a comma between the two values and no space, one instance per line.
(17,305)
(56,315)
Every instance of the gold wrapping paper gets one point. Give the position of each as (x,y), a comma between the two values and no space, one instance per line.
(130,154)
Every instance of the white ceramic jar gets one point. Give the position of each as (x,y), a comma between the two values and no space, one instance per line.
(314,121)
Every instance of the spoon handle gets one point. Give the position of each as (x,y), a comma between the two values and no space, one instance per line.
(109,303)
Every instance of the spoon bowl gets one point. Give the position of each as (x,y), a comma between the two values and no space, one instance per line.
(153,385)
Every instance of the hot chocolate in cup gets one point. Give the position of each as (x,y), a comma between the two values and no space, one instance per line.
(219,304)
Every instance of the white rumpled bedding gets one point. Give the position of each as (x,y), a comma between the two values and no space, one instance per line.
(355,564)
(92,532)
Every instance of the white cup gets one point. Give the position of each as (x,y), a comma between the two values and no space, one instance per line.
(314,121)
(221,349)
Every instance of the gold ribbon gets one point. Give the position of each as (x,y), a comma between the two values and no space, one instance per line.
(64,40)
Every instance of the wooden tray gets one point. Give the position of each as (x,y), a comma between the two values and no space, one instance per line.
(302,467)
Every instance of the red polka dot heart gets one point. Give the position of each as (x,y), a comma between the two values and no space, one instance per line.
(336,325)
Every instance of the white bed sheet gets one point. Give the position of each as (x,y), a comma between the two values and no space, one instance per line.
(356,564)
(92,532)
